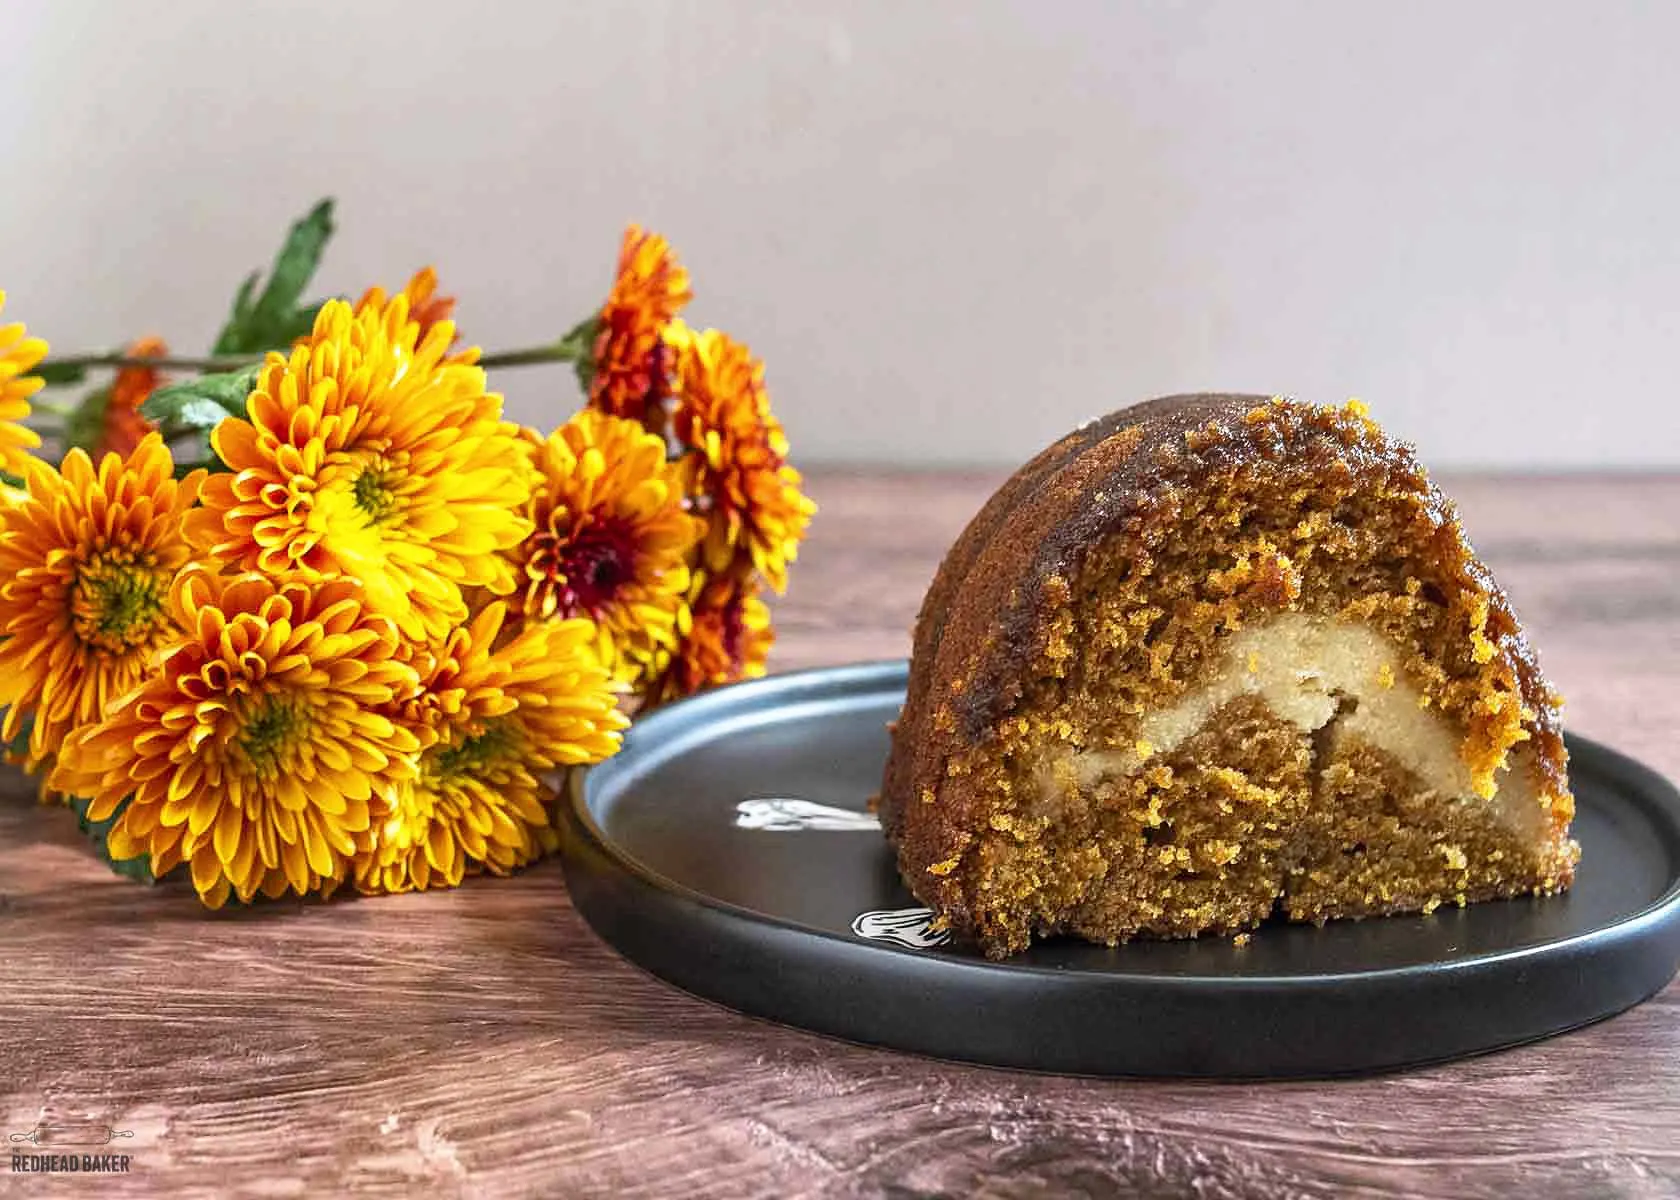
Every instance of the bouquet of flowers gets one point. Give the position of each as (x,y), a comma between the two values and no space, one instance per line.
(317,615)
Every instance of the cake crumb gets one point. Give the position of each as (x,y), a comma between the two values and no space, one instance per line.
(1223,853)
(946,867)
(1242,939)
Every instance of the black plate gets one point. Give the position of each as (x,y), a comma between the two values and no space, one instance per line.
(677,856)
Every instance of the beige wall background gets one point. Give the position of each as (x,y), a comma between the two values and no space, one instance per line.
(953,229)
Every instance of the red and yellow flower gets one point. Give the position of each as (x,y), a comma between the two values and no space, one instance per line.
(727,639)
(87,557)
(736,467)
(629,368)
(611,539)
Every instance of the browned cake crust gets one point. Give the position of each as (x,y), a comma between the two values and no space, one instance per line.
(1190,518)
(936,605)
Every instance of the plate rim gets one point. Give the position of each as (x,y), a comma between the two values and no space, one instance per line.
(1086,1021)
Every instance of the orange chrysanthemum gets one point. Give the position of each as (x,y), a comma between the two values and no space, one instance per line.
(19,354)
(258,750)
(86,560)
(121,425)
(728,639)
(611,541)
(629,371)
(736,467)
(495,721)
(425,307)
(370,454)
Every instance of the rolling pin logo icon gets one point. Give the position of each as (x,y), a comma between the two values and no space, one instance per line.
(72,1134)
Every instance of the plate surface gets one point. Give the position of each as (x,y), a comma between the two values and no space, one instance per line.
(728,849)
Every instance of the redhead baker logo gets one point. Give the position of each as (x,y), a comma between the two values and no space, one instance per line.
(70,1148)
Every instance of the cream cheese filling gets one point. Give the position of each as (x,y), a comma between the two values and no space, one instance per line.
(1309,671)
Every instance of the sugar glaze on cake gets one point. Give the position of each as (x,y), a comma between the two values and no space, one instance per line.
(1211,658)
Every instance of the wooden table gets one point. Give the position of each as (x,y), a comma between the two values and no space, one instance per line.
(483,1042)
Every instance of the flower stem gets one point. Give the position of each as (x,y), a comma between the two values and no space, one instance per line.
(564,351)
(536,355)
(165,362)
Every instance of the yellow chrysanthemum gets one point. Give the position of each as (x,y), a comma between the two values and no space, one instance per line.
(86,561)
(611,539)
(728,639)
(370,454)
(19,354)
(258,750)
(736,467)
(629,376)
(495,720)
(425,307)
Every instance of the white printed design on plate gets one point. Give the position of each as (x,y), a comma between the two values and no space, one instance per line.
(910,927)
(782,816)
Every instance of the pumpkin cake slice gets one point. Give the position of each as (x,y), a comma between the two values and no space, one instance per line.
(1213,658)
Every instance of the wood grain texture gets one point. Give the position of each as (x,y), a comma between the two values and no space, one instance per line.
(482,1042)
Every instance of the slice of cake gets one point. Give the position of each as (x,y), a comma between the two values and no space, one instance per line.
(1213,658)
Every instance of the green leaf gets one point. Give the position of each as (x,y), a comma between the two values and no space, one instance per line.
(19,746)
(275,318)
(193,413)
(86,422)
(300,323)
(201,402)
(187,413)
(242,299)
(59,374)
(293,269)
(99,832)
(579,345)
